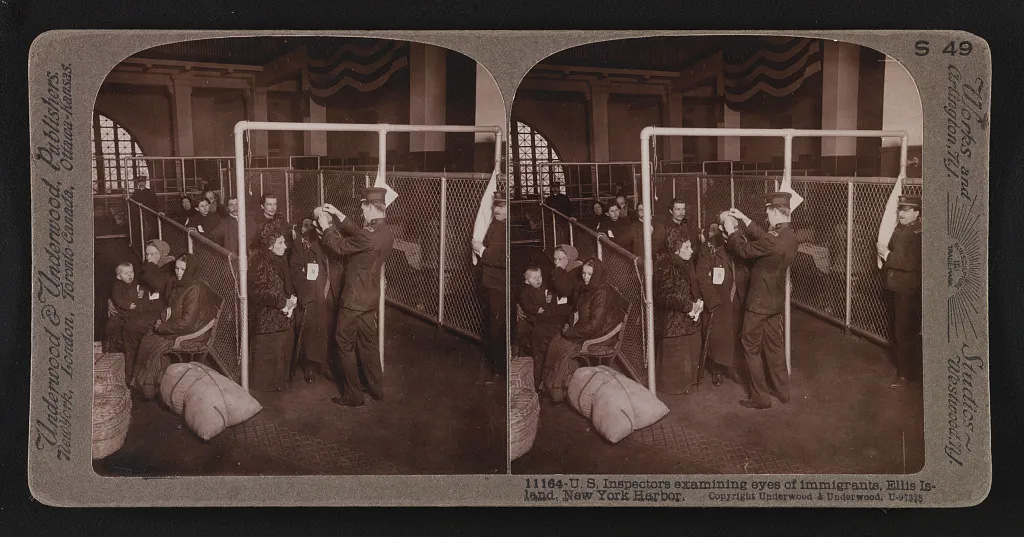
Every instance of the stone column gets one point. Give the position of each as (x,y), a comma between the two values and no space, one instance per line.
(840,81)
(256,110)
(427,95)
(598,96)
(181,91)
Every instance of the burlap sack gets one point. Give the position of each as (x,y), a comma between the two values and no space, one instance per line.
(177,379)
(214,402)
(616,404)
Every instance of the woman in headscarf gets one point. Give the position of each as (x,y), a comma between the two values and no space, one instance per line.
(596,216)
(723,285)
(317,276)
(186,210)
(155,279)
(596,314)
(563,282)
(677,302)
(189,308)
(271,319)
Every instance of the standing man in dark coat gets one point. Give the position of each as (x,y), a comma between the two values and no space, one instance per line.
(366,247)
(558,200)
(316,275)
(143,195)
(491,251)
(267,214)
(903,284)
(773,253)
(723,285)
(229,226)
(661,227)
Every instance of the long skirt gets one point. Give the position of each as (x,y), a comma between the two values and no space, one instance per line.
(151,361)
(271,360)
(677,363)
(724,338)
(559,364)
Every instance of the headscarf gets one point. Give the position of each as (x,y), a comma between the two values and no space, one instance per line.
(189,277)
(572,254)
(599,275)
(164,249)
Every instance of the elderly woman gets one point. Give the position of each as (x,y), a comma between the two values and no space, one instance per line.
(617,228)
(317,275)
(596,314)
(676,315)
(271,314)
(723,285)
(189,308)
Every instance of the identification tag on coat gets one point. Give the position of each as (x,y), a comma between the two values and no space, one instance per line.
(312,271)
(200,228)
(717,275)
(610,234)
(154,296)
(563,300)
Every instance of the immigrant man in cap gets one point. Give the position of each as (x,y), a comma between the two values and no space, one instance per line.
(773,252)
(366,248)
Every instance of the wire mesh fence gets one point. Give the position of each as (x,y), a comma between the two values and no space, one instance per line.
(218,268)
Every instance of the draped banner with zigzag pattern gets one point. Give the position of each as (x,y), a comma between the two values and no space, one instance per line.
(768,68)
(362,67)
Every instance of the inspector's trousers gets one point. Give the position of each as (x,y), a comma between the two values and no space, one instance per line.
(497,347)
(765,331)
(357,345)
(906,333)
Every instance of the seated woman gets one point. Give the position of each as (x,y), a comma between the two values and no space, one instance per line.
(677,302)
(563,283)
(189,308)
(271,319)
(596,216)
(157,274)
(596,314)
(186,210)
(617,228)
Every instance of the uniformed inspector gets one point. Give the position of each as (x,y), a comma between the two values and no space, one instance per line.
(492,260)
(773,253)
(902,281)
(366,247)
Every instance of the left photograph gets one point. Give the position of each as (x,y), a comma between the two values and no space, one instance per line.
(300,261)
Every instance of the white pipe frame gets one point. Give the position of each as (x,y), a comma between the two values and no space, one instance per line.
(649,133)
(382,129)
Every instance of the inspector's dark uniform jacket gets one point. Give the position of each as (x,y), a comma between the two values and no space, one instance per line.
(367,248)
(903,266)
(773,252)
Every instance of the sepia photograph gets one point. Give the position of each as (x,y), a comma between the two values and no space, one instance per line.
(716,259)
(300,255)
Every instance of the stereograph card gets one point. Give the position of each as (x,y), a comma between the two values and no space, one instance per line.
(510,268)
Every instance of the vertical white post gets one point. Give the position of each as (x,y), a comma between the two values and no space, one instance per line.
(321,180)
(600,250)
(382,154)
(287,196)
(554,230)
(645,185)
(441,250)
(261,185)
(243,254)
(700,219)
(191,248)
(572,238)
(159,229)
(849,251)
(732,190)
(787,172)
(142,233)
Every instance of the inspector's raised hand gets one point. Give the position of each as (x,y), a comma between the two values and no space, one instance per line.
(738,214)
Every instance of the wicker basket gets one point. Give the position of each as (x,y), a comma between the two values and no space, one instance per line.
(520,373)
(108,369)
(111,416)
(524,417)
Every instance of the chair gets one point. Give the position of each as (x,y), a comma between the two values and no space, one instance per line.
(607,349)
(199,344)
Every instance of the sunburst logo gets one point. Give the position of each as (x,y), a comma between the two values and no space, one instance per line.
(963,268)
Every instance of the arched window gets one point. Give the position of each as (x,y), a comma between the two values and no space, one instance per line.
(532,178)
(112,145)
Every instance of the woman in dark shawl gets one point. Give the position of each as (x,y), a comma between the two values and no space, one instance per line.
(155,281)
(596,314)
(617,228)
(563,282)
(271,321)
(189,308)
(186,210)
(676,302)
(596,216)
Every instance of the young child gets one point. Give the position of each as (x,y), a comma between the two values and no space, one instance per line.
(543,318)
(125,295)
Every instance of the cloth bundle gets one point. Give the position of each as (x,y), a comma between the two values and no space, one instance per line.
(209,401)
(615,403)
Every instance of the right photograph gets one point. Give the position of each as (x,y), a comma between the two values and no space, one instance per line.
(715,260)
